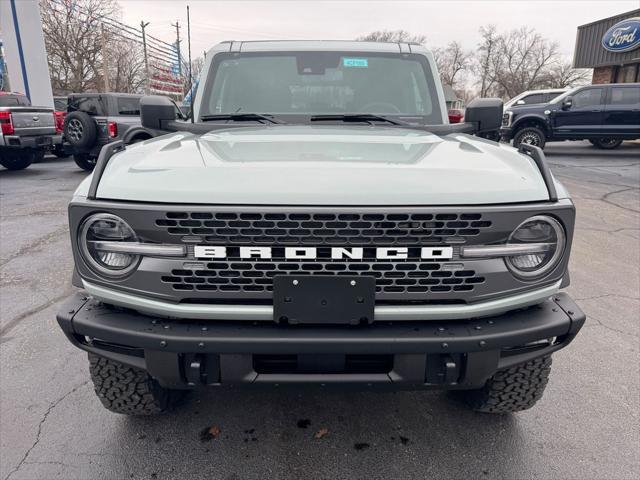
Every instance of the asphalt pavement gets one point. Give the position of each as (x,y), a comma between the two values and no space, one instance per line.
(52,426)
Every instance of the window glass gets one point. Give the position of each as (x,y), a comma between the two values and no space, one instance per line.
(90,105)
(60,104)
(534,98)
(586,98)
(14,101)
(128,106)
(625,95)
(311,83)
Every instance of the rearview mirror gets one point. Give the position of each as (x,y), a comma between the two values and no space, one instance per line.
(485,114)
(156,112)
(520,102)
(567,102)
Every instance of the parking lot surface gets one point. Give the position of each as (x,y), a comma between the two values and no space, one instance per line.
(586,426)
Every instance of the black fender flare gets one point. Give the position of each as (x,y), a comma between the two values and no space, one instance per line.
(133,132)
(533,117)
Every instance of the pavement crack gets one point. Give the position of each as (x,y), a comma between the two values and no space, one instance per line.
(40,424)
(604,325)
(16,320)
(605,199)
(41,241)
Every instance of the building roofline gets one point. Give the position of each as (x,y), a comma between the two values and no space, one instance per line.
(637,11)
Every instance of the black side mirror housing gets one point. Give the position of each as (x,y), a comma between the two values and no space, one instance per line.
(567,102)
(485,114)
(156,112)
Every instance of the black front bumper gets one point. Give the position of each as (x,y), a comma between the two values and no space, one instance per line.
(447,354)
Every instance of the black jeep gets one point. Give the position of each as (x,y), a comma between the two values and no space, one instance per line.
(603,114)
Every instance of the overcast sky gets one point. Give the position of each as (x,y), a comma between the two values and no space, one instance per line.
(441,21)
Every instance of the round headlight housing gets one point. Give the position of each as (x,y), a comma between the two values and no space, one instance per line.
(100,230)
(546,237)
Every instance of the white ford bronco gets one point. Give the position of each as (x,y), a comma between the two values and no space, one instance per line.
(318,222)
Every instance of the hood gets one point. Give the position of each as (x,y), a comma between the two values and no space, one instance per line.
(321,165)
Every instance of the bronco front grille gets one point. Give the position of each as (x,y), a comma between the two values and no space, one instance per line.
(257,276)
(322,228)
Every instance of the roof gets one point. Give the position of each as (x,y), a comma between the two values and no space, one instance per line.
(317,45)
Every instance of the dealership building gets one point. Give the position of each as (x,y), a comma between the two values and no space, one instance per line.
(611,47)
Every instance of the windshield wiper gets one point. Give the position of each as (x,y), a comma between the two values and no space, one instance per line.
(357,117)
(241,117)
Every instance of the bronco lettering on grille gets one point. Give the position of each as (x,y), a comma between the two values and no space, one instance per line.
(334,253)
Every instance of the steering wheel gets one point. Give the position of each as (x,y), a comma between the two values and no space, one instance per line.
(381,107)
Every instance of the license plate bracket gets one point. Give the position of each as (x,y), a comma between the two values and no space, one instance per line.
(323,299)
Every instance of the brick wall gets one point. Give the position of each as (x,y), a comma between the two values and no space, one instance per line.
(602,75)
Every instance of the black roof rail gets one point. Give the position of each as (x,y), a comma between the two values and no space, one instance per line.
(105,155)
(537,155)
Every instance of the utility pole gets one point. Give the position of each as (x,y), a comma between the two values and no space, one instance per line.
(177,25)
(105,58)
(143,25)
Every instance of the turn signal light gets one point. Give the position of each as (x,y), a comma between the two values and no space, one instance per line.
(113,129)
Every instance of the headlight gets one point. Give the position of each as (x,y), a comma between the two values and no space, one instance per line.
(549,237)
(101,228)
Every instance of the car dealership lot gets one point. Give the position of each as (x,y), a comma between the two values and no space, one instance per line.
(586,426)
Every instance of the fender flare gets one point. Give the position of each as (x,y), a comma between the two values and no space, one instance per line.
(544,120)
(134,131)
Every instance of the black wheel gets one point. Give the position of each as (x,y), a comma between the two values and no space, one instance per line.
(530,135)
(127,390)
(606,143)
(17,159)
(511,390)
(80,130)
(85,161)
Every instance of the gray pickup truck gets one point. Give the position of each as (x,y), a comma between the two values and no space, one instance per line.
(320,223)
(26,132)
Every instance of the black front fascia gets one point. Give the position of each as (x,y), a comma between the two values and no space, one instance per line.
(491,276)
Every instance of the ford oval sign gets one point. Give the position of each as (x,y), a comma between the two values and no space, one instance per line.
(623,36)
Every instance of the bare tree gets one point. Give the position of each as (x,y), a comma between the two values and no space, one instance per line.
(522,60)
(126,66)
(392,36)
(484,60)
(452,61)
(197,64)
(73,41)
(563,75)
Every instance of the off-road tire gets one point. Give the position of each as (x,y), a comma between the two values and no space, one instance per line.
(605,143)
(530,135)
(84,161)
(14,159)
(127,390)
(80,130)
(511,390)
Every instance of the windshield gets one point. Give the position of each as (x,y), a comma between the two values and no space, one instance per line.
(317,83)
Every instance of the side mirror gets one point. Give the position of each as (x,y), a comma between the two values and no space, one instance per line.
(156,112)
(520,102)
(485,114)
(567,102)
